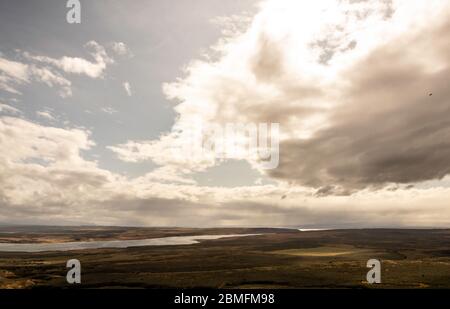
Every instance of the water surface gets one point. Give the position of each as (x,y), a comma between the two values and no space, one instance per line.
(81,245)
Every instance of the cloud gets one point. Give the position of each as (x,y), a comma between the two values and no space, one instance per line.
(45,114)
(76,65)
(5,108)
(50,78)
(23,140)
(42,168)
(109,110)
(169,175)
(350,84)
(121,49)
(49,71)
(14,69)
(391,127)
(45,179)
(348,81)
(12,73)
(172,151)
(127,87)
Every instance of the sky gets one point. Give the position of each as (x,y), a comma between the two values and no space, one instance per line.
(97,118)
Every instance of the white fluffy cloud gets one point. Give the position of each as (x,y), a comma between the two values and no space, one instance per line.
(76,65)
(12,73)
(42,166)
(47,70)
(23,140)
(45,179)
(362,101)
(341,77)
(51,79)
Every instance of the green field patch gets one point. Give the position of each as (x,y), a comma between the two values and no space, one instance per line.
(323,251)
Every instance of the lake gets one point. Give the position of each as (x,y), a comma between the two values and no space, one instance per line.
(81,245)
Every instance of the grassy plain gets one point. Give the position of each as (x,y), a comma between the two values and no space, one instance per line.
(278,258)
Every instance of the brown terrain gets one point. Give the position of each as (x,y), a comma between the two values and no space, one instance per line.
(276,258)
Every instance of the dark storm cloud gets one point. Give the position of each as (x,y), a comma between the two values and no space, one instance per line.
(160,211)
(393,125)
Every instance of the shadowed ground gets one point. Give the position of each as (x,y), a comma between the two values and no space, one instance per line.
(280,258)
